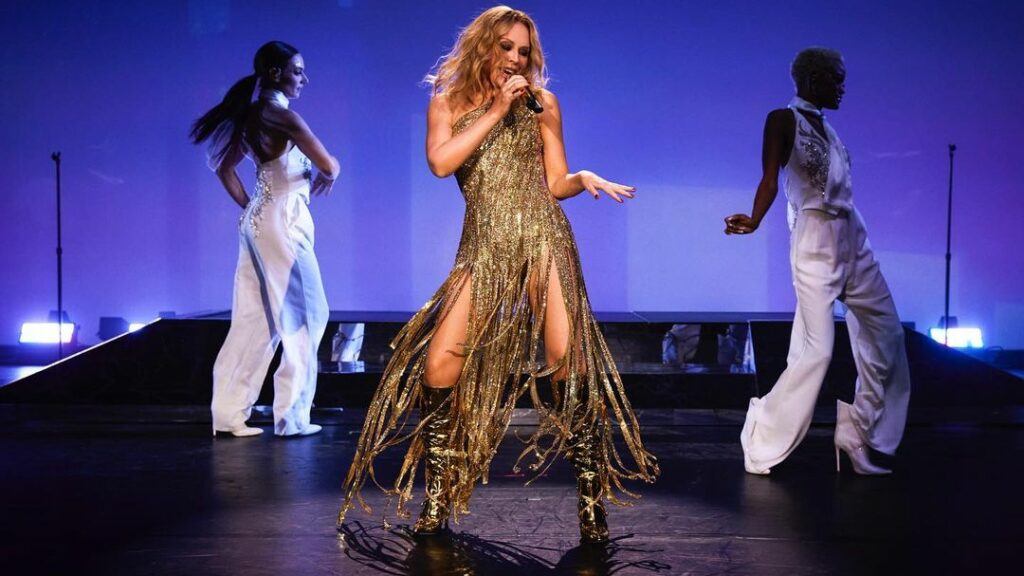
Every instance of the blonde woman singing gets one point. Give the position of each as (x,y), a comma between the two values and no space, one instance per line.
(516,283)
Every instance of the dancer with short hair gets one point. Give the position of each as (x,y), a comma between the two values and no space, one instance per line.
(831,260)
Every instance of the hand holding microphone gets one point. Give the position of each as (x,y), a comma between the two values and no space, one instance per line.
(517,87)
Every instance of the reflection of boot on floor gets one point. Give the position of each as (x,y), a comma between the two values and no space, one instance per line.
(436,434)
(584,452)
(849,439)
(439,554)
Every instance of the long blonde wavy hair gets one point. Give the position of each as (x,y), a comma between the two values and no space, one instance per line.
(464,73)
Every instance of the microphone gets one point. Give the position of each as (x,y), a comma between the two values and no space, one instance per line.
(532,103)
(529,99)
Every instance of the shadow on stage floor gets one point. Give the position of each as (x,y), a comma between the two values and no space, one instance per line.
(398,551)
(146,490)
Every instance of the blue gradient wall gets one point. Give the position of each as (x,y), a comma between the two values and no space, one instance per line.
(668,96)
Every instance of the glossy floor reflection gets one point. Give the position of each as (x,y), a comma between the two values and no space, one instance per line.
(136,490)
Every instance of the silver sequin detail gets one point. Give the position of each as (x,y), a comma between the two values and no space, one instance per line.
(307,168)
(264,195)
(816,158)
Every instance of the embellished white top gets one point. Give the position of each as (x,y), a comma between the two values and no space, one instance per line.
(818,171)
(289,173)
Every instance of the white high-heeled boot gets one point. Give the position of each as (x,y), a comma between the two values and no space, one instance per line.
(848,439)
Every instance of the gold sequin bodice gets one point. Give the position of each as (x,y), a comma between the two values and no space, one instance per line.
(508,204)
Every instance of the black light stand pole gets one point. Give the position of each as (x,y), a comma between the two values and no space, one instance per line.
(949,236)
(60,276)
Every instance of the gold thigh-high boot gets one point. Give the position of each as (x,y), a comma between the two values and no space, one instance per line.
(584,452)
(436,433)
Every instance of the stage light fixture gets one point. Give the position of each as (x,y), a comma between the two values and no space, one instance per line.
(112,327)
(46,333)
(949,332)
(959,337)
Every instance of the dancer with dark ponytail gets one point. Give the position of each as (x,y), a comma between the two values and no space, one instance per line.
(278,295)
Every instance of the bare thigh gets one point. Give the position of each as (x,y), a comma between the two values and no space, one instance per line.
(556,321)
(446,354)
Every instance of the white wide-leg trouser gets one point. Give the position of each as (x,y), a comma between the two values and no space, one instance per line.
(831,260)
(278,298)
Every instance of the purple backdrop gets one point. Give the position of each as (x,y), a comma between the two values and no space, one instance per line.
(669,96)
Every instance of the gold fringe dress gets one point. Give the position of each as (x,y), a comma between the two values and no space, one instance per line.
(514,231)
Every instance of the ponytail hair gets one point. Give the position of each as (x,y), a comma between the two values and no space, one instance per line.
(222,125)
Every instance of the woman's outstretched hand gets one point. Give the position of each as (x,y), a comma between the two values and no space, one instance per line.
(740,224)
(595,185)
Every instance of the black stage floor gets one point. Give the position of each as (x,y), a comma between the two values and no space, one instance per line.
(146,490)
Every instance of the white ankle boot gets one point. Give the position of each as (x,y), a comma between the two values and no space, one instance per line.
(848,439)
(243,432)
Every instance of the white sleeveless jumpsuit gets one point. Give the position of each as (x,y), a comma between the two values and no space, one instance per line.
(831,260)
(278,298)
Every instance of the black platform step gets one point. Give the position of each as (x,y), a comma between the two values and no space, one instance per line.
(170,362)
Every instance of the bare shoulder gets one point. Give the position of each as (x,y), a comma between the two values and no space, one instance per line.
(547,97)
(440,104)
(440,113)
(552,115)
(780,116)
(283,118)
(780,122)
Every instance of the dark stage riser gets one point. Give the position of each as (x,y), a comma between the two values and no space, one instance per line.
(940,376)
(170,362)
